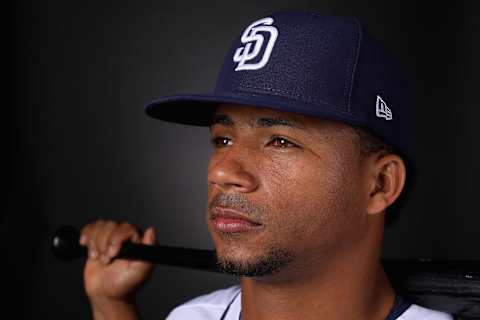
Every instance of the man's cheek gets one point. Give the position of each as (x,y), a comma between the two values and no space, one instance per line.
(286,175)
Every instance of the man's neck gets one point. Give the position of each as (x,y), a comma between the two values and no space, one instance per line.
(353,286)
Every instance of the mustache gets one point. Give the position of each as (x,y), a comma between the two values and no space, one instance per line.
(240,203)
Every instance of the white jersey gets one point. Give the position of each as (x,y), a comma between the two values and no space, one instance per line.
(225,304)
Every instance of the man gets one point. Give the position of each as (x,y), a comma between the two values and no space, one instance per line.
(308,122)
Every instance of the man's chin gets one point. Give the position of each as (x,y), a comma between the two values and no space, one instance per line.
(270,263)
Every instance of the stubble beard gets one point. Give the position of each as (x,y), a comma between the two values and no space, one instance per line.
(268,263)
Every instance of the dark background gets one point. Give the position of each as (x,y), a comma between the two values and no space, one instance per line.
(81,148)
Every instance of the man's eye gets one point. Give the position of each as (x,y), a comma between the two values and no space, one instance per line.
(219,142)
(282,143)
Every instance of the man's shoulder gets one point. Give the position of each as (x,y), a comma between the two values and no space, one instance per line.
(416,312)
(208,306)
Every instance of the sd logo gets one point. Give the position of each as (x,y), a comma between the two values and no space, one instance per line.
(250,37)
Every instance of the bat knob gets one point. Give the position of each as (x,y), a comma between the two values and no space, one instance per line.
(65,244)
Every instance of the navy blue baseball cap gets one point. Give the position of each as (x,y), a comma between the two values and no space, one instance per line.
(303,62)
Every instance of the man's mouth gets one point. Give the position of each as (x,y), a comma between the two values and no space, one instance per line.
(227,220)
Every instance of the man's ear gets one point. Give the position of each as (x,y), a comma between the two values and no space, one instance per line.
(386,181)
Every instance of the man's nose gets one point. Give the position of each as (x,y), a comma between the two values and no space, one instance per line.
(230,173)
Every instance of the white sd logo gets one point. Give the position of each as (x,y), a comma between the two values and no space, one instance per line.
(250,38)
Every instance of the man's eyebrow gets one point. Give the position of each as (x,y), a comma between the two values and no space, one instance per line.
(263,122)
(221,119)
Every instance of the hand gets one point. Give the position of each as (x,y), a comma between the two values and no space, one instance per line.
(108,280)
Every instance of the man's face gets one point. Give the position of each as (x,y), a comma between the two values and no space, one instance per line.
(283,190)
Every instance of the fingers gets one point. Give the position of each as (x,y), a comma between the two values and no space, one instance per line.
(149,237)
(124,232)
(87,238)
(104,238)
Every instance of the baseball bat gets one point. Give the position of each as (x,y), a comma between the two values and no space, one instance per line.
(433,284)
(66,247)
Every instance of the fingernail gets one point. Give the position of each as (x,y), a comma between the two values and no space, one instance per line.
(111,251)
(135,239)
(93,254)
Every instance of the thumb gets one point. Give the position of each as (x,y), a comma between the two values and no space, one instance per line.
(149,237)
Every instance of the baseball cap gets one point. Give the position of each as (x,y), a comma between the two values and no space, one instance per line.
(307,63)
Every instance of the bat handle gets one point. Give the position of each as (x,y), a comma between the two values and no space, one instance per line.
(66,247)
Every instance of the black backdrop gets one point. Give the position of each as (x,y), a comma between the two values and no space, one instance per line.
(81,147)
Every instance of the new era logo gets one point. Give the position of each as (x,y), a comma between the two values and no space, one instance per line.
(383,111)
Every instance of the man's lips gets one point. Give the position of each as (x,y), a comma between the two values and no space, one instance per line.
(228,220)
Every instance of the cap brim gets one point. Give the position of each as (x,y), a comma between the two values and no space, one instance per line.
(198,109)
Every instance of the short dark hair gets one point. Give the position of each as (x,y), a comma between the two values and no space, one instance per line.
(370,143)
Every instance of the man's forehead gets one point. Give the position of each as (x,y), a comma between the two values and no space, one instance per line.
(239,115)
